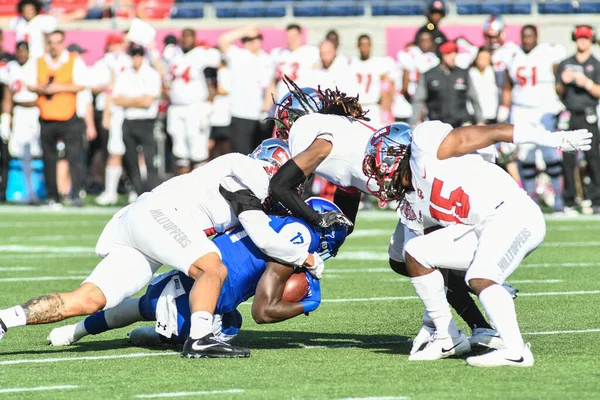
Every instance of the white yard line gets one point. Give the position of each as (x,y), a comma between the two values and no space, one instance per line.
(42,256)
(89,210)
(88,358)
(383,254)
(380,215)
(44,278)
(5,269)
(388,269)
(16,248)
(377,398)
(49,238)
(48,224)
(183,394)
(38,389)
(306,347)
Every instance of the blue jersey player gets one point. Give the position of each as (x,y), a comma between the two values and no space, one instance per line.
(250,273)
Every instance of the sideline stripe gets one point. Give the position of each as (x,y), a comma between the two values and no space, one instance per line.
(43,278)
(37,389)
(4,269)
(182,394)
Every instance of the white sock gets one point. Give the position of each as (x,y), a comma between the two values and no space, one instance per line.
(430,289)
(14,316)
(201,324)
(126,313)
(113,174)
(80,331)
(500,307)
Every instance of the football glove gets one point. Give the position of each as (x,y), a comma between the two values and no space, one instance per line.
(313,298)
(424,336)
(316,270)
(332,218)
(569,141)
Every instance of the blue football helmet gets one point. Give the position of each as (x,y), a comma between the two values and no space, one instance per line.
(294,105)
(274,151)
(332,238)
(387,149)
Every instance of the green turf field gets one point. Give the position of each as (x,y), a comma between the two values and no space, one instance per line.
(354,346)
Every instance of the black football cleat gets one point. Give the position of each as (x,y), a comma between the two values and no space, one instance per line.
(3,329)
(210,347)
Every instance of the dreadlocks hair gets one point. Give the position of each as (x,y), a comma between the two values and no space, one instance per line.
(339,103)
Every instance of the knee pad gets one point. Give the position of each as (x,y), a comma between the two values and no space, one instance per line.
(398,267)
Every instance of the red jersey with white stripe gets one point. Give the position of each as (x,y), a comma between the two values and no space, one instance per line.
(369,74)
(460,190)
(349,137)
(297,65)
(188,82)
(532,75)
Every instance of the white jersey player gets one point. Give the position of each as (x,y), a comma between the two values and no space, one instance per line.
(412,62)
(529,87)
(295,60)
(333,71)
(105,72)
(170,226)
(485,215)
(189,112)
(373,75)
(31,26)
(25,139)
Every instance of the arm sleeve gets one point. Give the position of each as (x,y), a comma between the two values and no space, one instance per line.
(256,224)
(348,203)
(472,96)
(284,189)
(419,100)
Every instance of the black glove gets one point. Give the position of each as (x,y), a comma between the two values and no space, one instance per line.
(332,218)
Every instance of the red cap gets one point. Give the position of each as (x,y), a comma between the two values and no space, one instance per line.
(114,38)
(449,47)
(583,31)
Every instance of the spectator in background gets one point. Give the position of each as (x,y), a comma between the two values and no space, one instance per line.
(57,77)
(373,75)
(435,11)
(578,86)
(330,74)
(334,38)
(220,117)
(137,90)
(31,26)
(295,60)
(20,104)
(189,112)
(445,90)
(5,58)
(106,72)
(483,78)
(252,86)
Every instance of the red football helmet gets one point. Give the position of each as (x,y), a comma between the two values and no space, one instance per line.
(387,149)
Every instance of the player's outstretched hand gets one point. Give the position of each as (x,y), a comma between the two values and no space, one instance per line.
(332,218)
(572,141)
(318,265)
(313,298)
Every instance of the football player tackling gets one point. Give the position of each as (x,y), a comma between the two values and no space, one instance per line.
(436,173)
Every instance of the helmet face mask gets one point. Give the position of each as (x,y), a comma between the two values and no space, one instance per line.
(333,237)
(387,152)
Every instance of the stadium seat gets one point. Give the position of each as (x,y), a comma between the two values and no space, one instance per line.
(246,10)
(155,9)
(551,7)
(470,7)
(8,8)
(588,7)
(68,6)
(396,7)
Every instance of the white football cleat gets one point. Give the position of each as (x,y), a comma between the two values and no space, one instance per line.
(107,199)
(424,336)
(63,336)
(503,358)
(485,337)
(440,348)
(145,336)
